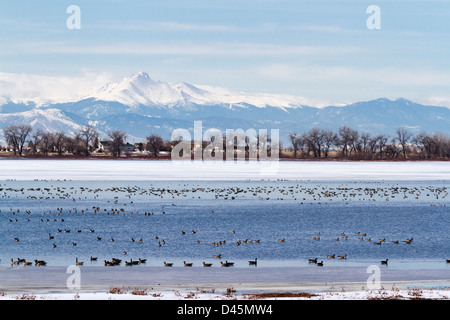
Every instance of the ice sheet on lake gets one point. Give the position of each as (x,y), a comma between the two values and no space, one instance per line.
(138,170)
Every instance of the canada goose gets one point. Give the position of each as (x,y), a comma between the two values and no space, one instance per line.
(51,237)
(384,261)
(27,263)
(140,241)
(207,264)
(331,256)
(93,258)
(14,261)
(128,263)
(448,260)
(253,262)
(40,263)
(225,264)
(186,264)
(395,242)
(378,243)
(320,264)
(312,260)
(53,245)
(78,263)
(108,263)
(408,241)
(281,240)
(16,239)
(142,260)
(343,257)
(168,264)
(217,256)
(132,239)
(74,243)
(99,238)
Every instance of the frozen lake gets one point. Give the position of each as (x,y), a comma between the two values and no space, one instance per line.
(138,170)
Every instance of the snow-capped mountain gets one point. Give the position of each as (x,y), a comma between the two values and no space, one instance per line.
(140,89)
(140,106)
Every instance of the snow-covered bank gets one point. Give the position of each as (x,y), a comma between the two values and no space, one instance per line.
(190,295)
(138,170)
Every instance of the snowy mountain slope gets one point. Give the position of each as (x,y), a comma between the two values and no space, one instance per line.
(140,89)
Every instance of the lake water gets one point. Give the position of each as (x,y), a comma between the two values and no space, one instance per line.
(226,212)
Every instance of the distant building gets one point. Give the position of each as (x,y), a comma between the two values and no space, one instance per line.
(105,146)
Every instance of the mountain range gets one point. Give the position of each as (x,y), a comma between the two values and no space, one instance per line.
(141,106)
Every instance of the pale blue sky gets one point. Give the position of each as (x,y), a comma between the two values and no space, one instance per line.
(316,49)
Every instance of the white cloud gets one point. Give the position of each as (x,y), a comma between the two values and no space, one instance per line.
(42,89)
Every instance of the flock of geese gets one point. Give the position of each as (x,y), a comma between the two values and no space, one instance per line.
(295,192)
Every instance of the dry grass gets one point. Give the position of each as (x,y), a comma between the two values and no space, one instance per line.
(117,291)
(271,295)
(139,292)
(26,297)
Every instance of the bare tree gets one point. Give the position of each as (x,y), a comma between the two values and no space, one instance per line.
(365,143)
(60,142)
(314,139)
(329,139)
(403,137)
(35,140)
(381,143)
(46,143)
(154,144)
(87,134)
(347,139)
(294,139)
(117,141)
(16,136)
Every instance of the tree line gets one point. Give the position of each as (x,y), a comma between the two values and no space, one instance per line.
(349,143)
(346,143)
(22,139)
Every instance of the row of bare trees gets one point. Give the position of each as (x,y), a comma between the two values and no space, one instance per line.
(350,143)
(346,143)
(21,137)
(83,142)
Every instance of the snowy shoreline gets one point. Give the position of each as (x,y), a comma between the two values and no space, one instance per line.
(199,283)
